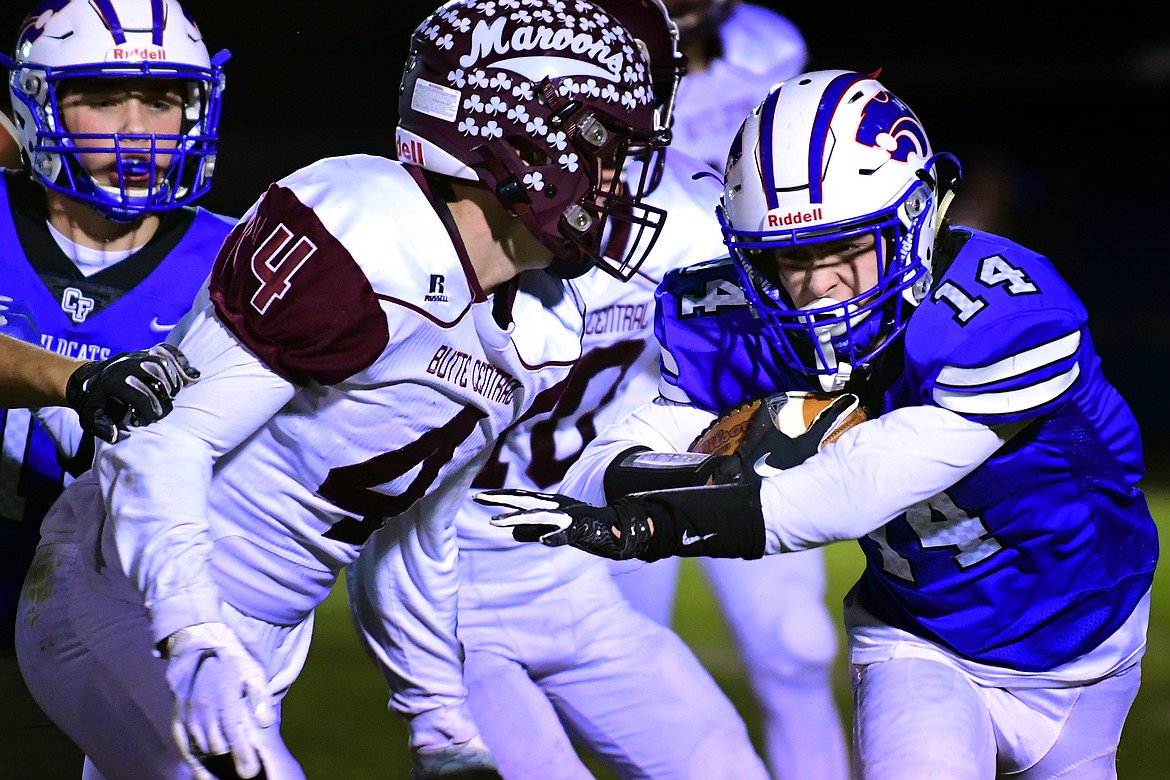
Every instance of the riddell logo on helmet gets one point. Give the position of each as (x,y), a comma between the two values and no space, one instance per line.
(120,53)
(799,218)
(410,151)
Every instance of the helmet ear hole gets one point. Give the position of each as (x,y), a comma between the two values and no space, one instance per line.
(528,152)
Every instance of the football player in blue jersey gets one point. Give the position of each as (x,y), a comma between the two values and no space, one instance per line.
(1000,621)
(116,106)
(735,51)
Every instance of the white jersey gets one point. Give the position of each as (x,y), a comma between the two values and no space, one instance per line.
(760,47)
(354,373)
(618,371)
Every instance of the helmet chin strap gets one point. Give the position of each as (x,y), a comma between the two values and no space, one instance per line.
(835,382)
(837,373)
(827,359)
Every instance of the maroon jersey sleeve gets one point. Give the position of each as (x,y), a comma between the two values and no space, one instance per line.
(295,296)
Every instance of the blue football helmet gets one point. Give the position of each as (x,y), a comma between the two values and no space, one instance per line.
(830,155)
(63,40)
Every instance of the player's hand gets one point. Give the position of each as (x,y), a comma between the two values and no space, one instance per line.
(770,446)
(132,388)
(619,531)
(469,760)
(222,698)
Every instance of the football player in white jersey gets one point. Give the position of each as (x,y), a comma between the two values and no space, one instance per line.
(369,330)
(541,673)
(735,51)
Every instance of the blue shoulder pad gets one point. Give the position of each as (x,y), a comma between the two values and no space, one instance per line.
(1001,336)
(714,353)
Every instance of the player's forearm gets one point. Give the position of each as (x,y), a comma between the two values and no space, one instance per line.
(61,423)
(155,488)
(873,473)
(30,376)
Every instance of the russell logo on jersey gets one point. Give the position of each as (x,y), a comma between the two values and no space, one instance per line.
(437,294)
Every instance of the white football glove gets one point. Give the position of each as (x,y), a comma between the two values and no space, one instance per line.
(221,698)
(469,760)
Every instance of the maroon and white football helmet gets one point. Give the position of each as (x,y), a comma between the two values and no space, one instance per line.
(650,23)
(532,98)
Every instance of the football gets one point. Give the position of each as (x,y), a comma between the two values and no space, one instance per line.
(793,413)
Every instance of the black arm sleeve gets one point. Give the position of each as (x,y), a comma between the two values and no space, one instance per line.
(638,470)
(718,521)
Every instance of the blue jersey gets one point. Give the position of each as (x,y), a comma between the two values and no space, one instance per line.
(1042,551)
(714,354)
(130,305)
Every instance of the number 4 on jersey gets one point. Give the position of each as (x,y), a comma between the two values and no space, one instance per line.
(274,266)
(939,524)
(720,293)
(356,488)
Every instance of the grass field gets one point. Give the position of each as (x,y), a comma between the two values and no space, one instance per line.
(336,722)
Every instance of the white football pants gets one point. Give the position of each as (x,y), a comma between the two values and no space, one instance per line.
(85,647)
(775,609)
(919,718)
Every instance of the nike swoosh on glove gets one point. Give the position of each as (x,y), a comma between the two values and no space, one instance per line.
(221,698)
(132,388)
(619,531)
(784,430)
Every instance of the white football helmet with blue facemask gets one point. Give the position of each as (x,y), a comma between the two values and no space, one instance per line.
(68,40)
(830,155)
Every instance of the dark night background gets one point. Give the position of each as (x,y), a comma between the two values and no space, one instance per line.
(1057,114)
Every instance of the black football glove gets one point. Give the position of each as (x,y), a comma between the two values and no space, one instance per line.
(619,531)
(132,388)
(713,521)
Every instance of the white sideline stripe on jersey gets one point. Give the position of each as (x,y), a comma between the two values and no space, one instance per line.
(1016,365)
(669,364)
(1008,401)
(673,392)
(666,389)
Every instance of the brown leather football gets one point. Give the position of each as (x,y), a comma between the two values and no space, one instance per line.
(792,412)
